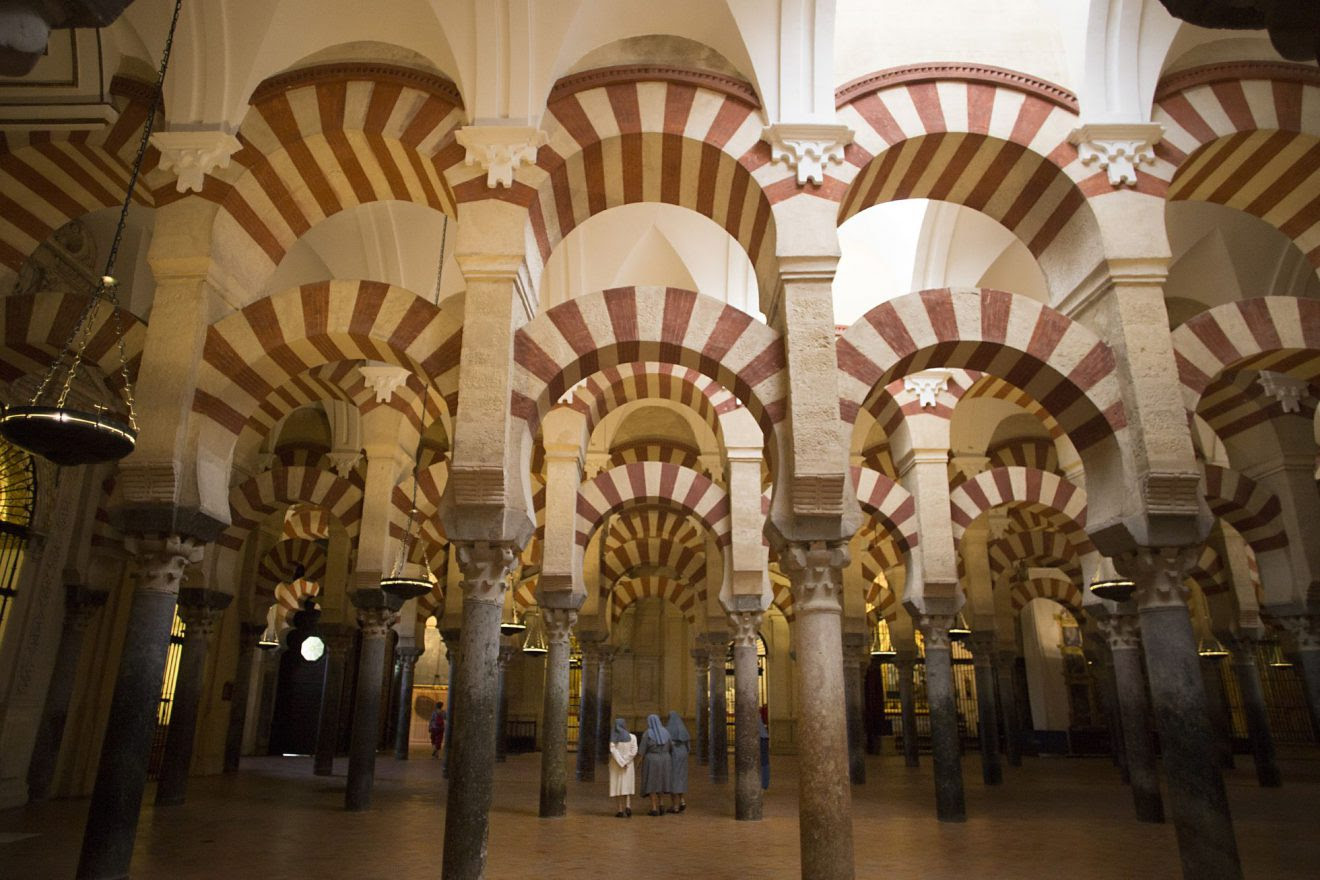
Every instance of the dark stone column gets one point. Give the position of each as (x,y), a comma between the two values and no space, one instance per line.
(338,638)
(1243,647)
(1304,637)
(269,676)
(377,612)
(946,749)
(485,568)
(1206,842)
(452,639)
(390,689)
(80,605)
(588,707)
(987,724)
(854,649)
(905,662)
(701,660)
(403,720)
(112,817)
(502,712)
(1216,700)
(815,572)
(718,717)
(1008,705)
(248,635)
(200,610)
(1102,674)
(746,627)
(1123,633)
(554,714)
(605,714)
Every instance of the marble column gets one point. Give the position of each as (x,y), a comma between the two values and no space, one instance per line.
(906,663)
(502,711)
(377,612)
(1243,647)
(605,712)
(80,606)
(1009,708)
(554,714)
(946,749)
(854,648)
(1207,844)
(815,573)
(338,639)
(701,661)
(982,645)
(1123,633)
(452,639)
(746,626)
(1304,635)
(1216,699)
(485,567)
(403,719)
(588,710)
(121,776)
(200,610)
(717,718)
(248,636)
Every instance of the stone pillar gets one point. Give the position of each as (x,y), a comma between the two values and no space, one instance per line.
(338,638)
(377,612)
(554,714)
(1123,634)
(1216,700)
(452,639)
(1206,842)
(1009,708)
(502,712)
(1304,633)
(248,635)
(1103,675)
(1243,647)
(701,660)
(854,648)
(746,627)
(815,572)
(605,712)
(987,724)
(588,710)
(718,716)
(121,776)
(906,662)
(946,750)
(80,605)
(485,567)
(403,719)
(200,610)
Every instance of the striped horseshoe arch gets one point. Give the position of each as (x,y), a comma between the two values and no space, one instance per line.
(1016,485)
(261,495)
(1061,591)
(655,523)
(881,602)
(685,563)
(1058,362)
(891,503)
(669,451)
(279,566)
(781,593)
(35,327)
(1209,572)
(1246,506)
(307,522)
(628,591)
(654,483)
(613,387)
(1045,549)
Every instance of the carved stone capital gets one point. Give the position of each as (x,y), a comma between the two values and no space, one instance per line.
(807,147)
(500,149)
(935,630)
(408,656)
(338,638)
(746,627)
(384,379)
(982,645)
(201,609)
(815,573)
(162,560)
(559,623)
(377,621)
(343,461)
(701,657)
(1158,573)
(192,155)
(1302,629)
(1287,390)
(1122,632)
(485,566)
(926,386)
(1117,147)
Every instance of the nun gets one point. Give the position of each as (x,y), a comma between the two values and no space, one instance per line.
(623,783)
(678,772)
(656,749)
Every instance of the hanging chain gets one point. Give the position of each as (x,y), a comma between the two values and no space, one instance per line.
(440,269)
(106,290)
(405,549)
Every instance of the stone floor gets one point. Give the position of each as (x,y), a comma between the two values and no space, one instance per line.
(1053,818)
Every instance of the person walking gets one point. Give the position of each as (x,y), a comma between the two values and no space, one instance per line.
(656,748)
(436,727)
(678,760)
(623,783)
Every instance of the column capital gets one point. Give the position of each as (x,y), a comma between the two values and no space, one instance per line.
(982,645)
(807,147)
(1122,632)
(1304,629)
(815,572)
(701,656)
(485,566)
(935,630)
(408,656)
(338,637)
(746,627)
(559,623)
(1117,147)
(162,559)
(1159,574)
(500,149)
(377,621)
(200,610)
(192,155)
(81,604)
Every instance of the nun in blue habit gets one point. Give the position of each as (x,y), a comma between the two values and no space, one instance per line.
(656,748)
(678,775)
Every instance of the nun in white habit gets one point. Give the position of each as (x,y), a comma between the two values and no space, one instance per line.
(656,747)
(623,783)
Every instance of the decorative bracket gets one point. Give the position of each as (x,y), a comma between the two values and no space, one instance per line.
(500,149)
(1287,390)
(1117,147)
(344,460)
(807,147)
(192,155)
(383,379)
(927,385)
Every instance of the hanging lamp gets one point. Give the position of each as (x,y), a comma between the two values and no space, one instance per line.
(510,622)
(959,631)
(398,584)
(1211,647)
(1279,660)
(535,643)
(1109,584)
(48,425)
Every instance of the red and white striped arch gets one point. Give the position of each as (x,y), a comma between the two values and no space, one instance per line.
(881,603)
(35,327)
(1209,572)
(682,562)
(1029,452)
(1247,506)
(306,521)
(996,388)
(428,603)
(652,483)
(781,593)
(1058,362)
(669,451)
(1245,136)
(1039,548)
(1064,592)
(261,495)
(891,503)
(654,522)
(613,387)
(649,586)
(557,349)
(291,596)
(1064,502)
(280,563)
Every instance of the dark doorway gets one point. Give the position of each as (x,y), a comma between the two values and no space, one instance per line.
(297,712)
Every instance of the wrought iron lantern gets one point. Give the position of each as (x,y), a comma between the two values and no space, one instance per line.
(959,631)
(1211,647)
(535,643)
(1109,584)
